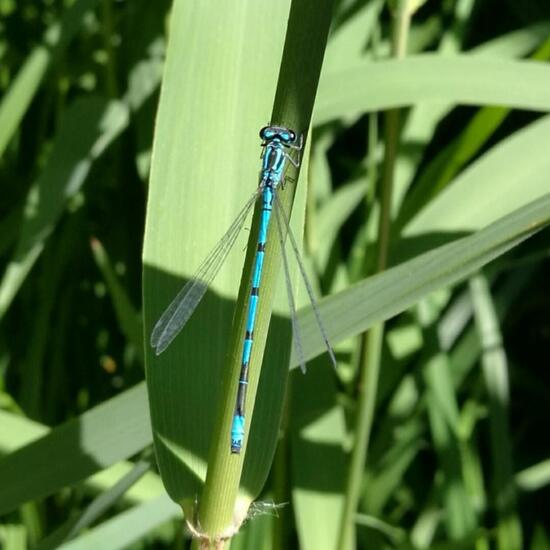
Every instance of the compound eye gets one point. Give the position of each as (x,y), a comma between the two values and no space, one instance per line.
(267,133)
(292,136)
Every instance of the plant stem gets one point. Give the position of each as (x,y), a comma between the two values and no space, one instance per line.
(372,341)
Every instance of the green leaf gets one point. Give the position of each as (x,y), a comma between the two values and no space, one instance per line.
(19,96)
(318,460)
(495,373)
(95,509)
(18,431)
(516,43)
(535,477)
(380,297)
(112,431)
(442,406)
(88,128)
(230,105)
(127,527)
(512,174)
(465,80)
(128,319)
(349,40)
(204,168)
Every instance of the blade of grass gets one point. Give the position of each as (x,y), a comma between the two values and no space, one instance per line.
(95,509)
(18,431)
(517,43)
(197,187)
(129,320)
(31,395)
(534,477)
(495,371)
(13,536)
(464,80)
(443,414)
(382,296)
(88,128)
(112,431)
(452,158)
(386,474)
(349,40)
(9,226)
(23,89)
(334,213)
(127,527)
(491,187)
(318,460)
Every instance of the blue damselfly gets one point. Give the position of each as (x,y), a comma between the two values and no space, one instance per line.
(278,143)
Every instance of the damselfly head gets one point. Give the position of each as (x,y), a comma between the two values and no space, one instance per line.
(269,133)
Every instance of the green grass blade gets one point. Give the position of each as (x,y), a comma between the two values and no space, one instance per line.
(18,431)
(9,226)
(318,461)
(348,41)
(495,371)
(258,533)
(129,319)
(88,127)
(378,298)
(95,509)
(452,158)
(128,527)
(422,122)
(13,537)
(384,476)
(534,477)
(23,89)
(208,181)
(516,43)
(443,414)
(333,214)
(465,80)
(204,167)
(32,396)
(112,431)
(513,173)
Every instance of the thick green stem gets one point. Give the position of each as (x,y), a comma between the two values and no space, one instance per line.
(221,512)
(372,341)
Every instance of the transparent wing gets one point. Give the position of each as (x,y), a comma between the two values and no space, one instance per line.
(296,335)
(307,284)
(186,301)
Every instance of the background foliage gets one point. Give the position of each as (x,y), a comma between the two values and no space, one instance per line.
(458,454)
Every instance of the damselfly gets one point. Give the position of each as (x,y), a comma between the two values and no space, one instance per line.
(278,142)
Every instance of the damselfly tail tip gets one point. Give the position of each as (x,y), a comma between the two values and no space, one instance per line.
(237,434)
